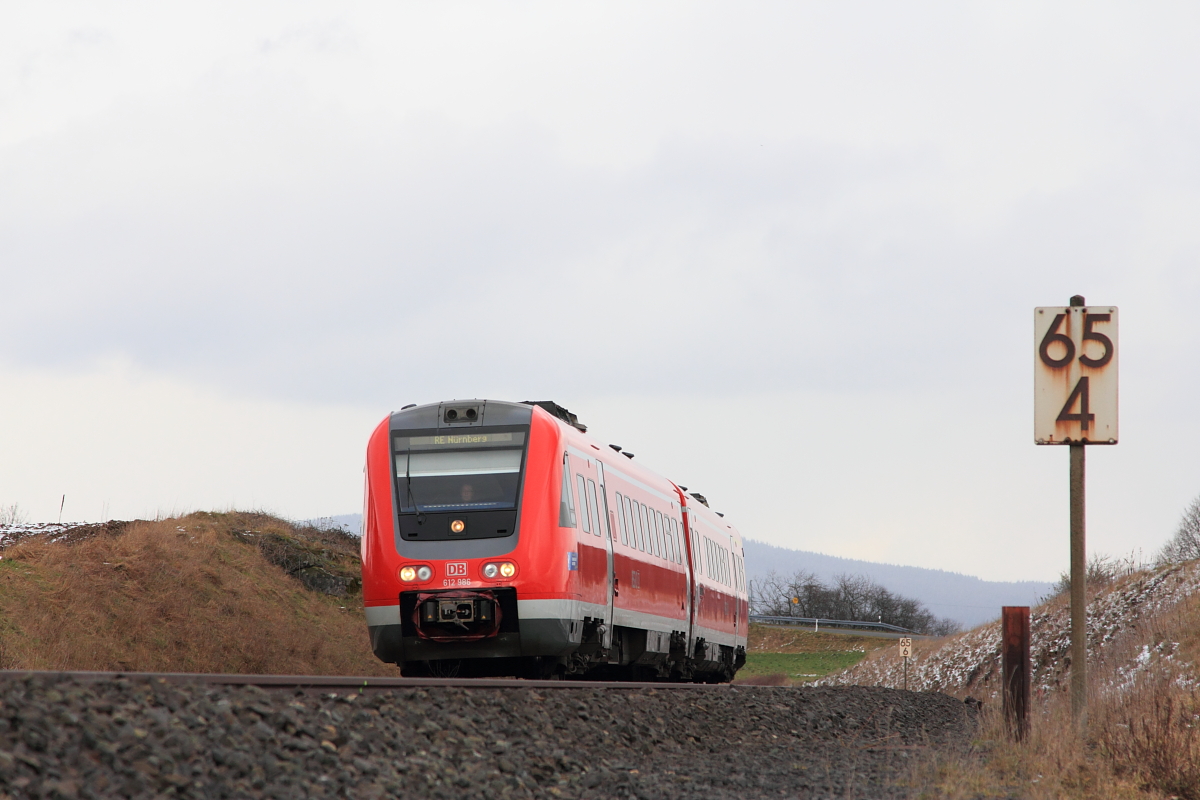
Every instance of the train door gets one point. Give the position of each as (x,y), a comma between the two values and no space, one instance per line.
(593,562)
(694,569)
(609,531)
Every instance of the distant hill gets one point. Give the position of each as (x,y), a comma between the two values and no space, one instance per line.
(965,598)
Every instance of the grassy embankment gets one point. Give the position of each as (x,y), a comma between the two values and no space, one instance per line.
(781,656)
(201,593)
(1141,740)
(1142,737)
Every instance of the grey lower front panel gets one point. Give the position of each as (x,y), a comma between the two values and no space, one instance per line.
(537,637)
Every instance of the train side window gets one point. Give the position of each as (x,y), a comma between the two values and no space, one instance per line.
(631,514)
(658,534)
(621,519)
(648,529)
(675,539)
(699,562)
(595,508)
(668,538)
(566,504)
(643,540)
(637,523)
(583,509)
(655,532)
(635,530)
(655,544)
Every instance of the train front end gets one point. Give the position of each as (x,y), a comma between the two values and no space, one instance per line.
(463,571)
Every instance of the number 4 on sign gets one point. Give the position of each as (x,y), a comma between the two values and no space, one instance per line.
(1080,394)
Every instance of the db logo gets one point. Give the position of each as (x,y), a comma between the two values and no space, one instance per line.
(456,568)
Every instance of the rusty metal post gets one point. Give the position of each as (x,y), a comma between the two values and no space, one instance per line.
(1016,670)
(1078,590)
(1078,579)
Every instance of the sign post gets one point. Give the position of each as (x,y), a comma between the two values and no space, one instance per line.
(1075,403)
(905,652)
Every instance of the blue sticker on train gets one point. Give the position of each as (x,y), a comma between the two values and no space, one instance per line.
(573,561)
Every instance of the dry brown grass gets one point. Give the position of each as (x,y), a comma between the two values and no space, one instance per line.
(178,595)
(1142,739)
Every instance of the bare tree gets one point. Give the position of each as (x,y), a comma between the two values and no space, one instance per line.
(1185,544)
(849,597)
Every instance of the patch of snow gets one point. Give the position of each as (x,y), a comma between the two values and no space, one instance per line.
(972,659)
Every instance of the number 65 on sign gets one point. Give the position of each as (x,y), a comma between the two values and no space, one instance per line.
(1075,375)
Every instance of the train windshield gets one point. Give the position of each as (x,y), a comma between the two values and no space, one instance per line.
(475,471)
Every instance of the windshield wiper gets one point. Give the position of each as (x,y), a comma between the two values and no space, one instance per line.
(411,498)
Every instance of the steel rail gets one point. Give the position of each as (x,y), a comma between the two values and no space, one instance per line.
(356,684)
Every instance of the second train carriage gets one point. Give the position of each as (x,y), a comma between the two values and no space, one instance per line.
(500,539)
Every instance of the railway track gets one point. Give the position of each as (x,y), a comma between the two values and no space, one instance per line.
(141,734)
(329,683)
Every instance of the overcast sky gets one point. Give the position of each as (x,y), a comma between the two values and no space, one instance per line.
(788,254)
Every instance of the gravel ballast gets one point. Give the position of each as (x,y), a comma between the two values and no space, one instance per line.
(141,737)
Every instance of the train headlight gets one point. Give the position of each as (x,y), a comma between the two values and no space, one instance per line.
(458,526)
(408,574)
(508,569)
(424,573)
(490,570)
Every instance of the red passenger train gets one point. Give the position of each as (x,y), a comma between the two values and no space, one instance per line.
(500,539)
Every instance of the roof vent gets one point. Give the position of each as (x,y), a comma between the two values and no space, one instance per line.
(701,498)
(555,410)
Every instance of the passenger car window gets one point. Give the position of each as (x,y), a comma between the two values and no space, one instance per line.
(595,507)
(566,504)
(658,533)
(621,518)
(648,515)
(583,509)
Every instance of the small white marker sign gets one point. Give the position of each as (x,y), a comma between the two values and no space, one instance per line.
(905,647)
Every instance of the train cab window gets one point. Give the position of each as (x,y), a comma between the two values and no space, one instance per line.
(566,504)
(594,507)
(621,519)
(444,473)
(583,506)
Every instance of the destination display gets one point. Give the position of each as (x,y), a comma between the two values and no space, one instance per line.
(444,440)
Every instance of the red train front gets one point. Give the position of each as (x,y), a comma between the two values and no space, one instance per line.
(499,539)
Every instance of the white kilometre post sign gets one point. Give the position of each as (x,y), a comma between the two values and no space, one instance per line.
(905,652)
(1075,403)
